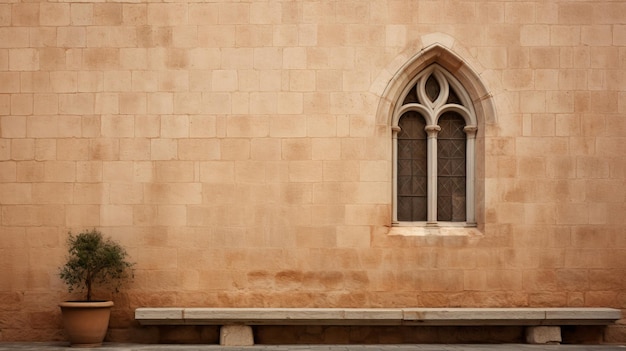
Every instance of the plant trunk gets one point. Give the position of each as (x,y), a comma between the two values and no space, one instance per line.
(88,283)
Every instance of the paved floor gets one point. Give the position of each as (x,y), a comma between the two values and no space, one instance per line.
(425,347)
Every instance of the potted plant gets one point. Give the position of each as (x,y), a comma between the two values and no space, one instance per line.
(93,261)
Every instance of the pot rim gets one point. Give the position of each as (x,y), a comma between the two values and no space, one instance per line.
(87,304)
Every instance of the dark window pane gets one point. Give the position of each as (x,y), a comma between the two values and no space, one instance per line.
(451,145)
(432,88)
(411,163)
(453,98)
(411,97)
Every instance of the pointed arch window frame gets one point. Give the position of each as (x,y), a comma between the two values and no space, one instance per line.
(431,111)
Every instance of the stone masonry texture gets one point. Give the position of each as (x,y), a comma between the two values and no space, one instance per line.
(242,152)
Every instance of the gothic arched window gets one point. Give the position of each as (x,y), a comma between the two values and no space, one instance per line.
(434,130)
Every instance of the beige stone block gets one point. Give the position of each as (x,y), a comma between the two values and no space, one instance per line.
(116,215)
(234,13)
(163,149)
(45,149)
(106,103)
(325,149)
(203,13)
(353,236)
(9,173)
(202,126)
(117,171)
(144,81)
(72,149)
(133,58)
(82,215)
(237,58)
(344,170)
(126,193)
(188,103)
(250,172)
(25,14)
(296,149)
(54,14)
(5,104)
(294,58)
(21,104)
(23,60)
(16,193)
(175,126)
(52,193)
(101,58)
(224,80)
(572,213)
(216,103)
(305,171)
(290,103)
(90,193)
(35,82)
(247,126)
(107,14)
(9,82)
(54,58)
(89,171)
(81,14)
(22,149)
(118,126)
(64,82)
(173,194)
(374,171)
(265,149)
(5,15)
(236,335)
(216,36)
(543,335)
(14,37)
(263,103)
(235,149)
(59,171)
(185,36)
(160,103)
(575,13)
(133,103)
(217,171)
(13,126)
(174,171)
(147,126)
(360,215)
(267,58)
(90,82)
(535,35)
(77,104)
(135,149)
(199,149)
(104,149)
(4,59)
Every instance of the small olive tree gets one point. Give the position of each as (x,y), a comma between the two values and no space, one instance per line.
(94,260)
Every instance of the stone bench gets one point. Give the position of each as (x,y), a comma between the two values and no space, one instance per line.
(543,324)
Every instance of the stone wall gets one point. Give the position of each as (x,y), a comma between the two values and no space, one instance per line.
(239,152)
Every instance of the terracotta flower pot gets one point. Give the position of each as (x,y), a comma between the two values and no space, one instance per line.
(86,322)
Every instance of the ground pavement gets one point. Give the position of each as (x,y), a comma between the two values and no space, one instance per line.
(422,347)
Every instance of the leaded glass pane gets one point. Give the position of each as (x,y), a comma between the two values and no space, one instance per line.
(411,162)
(453,98)
(432,88)
(451,169)
(411,97)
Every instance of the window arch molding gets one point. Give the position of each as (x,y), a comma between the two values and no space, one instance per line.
(462,79)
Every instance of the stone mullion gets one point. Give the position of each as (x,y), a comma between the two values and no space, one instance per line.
(470,160)
(432,131)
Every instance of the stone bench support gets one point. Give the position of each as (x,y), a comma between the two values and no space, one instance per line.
(543,323)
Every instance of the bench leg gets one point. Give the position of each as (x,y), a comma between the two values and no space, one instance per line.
(543,335)
(236,335)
